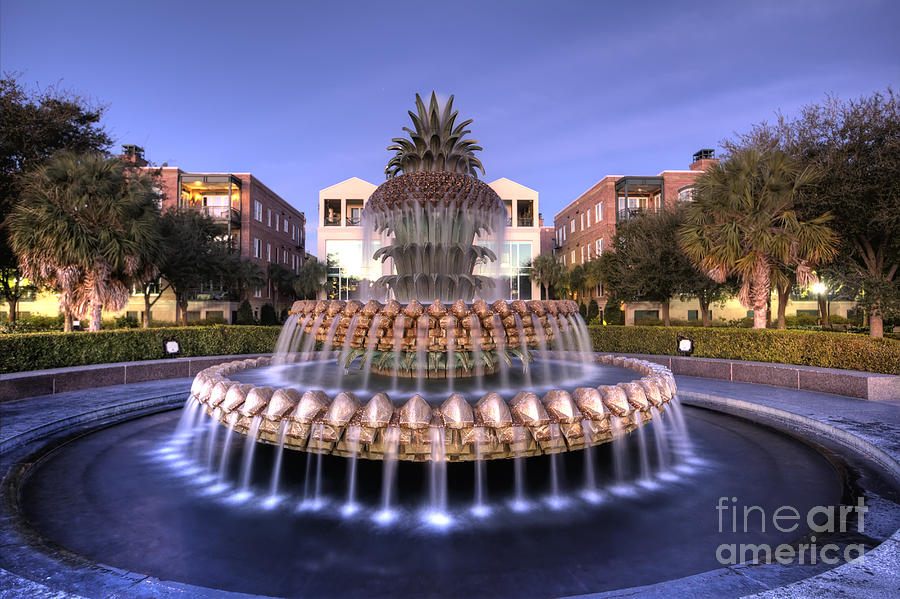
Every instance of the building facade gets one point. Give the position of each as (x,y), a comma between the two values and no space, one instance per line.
(585,229)
(260,224)
(341,238)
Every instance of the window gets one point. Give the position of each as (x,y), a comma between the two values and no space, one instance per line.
(582,221)
(686,194)
(268,252)
(694,314)
(644,315)
(257,210)
(268,217)
(257,247)
(573,254)
(257,292)
(582,254)
(276,222)
(284,256)
(598,209)
(572,226)
(588,252)
(599,248)
(285,226)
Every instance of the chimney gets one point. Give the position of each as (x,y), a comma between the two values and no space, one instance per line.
(703,159)
(133,155)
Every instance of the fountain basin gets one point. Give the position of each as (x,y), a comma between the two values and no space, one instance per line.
(490,428)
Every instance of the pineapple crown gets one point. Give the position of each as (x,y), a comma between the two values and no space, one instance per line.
(436,144)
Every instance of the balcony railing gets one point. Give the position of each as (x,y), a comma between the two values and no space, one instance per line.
(332,221)
(628,214)
(525,221)
(352,221)
(222,213)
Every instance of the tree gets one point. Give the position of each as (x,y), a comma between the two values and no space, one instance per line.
(310,279)
(546,271)
(856,147)
(648,265)
(193,253)
(593,273)
(282,280)
(576,280)
(242,274)
(743,221)
(34,126)
(87,226)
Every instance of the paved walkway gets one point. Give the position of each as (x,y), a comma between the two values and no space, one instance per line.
(875,422)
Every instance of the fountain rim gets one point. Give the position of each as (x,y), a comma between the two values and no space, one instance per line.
(321,424)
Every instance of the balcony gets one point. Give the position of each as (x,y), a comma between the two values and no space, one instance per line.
(353,221)
(628,214)
(332,220)
(223,213)
(525,221)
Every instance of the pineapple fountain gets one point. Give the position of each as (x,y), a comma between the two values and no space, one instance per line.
(436,374)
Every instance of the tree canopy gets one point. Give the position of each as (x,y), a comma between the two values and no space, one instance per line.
(855,146)
(35,125)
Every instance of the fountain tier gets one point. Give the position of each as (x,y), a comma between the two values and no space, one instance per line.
(456,339)
(345,425)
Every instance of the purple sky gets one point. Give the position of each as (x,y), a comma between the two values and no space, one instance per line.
(307,94)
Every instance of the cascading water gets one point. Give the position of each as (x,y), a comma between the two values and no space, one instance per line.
(389,470)
(272,499)
(350,507)
(249,448)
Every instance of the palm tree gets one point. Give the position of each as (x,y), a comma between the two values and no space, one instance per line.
(576,282)
(546,271)
(743,222)
(85,225)
(310,279)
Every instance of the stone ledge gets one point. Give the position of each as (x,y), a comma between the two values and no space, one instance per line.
(849,383)
(61,380)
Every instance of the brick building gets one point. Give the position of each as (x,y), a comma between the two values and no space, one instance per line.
(585,228)
(262,226)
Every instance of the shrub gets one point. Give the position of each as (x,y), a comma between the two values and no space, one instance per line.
(244,314)
(126,322)
(33,324)
(593,311)
(582,309)
(808,348)
(267,316)
(38,351)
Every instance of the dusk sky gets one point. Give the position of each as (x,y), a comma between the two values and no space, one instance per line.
(305,95)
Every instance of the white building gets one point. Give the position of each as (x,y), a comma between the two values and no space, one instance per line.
(340,237)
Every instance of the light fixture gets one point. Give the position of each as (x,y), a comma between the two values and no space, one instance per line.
(818,288)
(171,347)
(685,345)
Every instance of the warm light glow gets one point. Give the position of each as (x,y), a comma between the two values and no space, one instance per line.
(818,288)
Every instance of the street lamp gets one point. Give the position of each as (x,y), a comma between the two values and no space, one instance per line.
(819,289)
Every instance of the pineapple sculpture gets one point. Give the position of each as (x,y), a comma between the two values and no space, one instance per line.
(434,205)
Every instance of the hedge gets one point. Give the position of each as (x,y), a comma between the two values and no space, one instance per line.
(806,348)
(39,351)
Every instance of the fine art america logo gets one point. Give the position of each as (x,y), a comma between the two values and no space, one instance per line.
(820,520)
